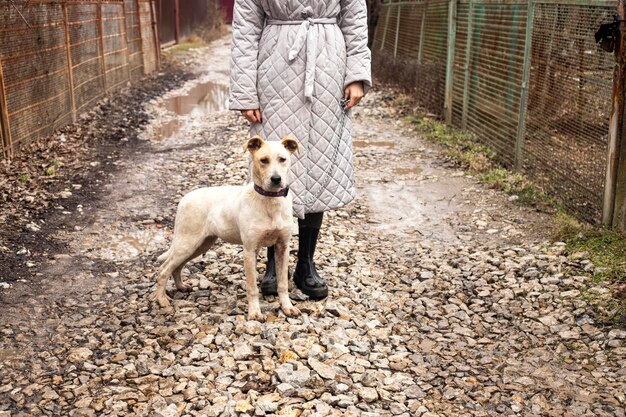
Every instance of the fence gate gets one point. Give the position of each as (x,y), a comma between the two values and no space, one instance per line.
(168,14)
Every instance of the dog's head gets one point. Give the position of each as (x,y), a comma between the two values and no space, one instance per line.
(270,161)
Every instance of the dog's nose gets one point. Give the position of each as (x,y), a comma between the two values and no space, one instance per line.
(275,179)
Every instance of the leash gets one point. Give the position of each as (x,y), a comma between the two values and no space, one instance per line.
(328,174)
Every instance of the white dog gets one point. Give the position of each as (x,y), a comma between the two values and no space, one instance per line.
(256,215)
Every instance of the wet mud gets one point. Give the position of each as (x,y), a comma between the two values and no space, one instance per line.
(203,99)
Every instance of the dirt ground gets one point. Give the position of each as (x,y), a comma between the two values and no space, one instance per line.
(446,298)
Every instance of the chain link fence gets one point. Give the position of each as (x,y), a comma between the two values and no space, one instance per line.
(58,58)
(525,76)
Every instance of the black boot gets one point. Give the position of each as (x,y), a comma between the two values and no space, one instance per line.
(305,276)
(268,283)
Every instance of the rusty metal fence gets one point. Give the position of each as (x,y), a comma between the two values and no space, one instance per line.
(58,58)
(525,76)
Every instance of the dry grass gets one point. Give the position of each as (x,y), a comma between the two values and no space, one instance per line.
(606,249)
(480,161)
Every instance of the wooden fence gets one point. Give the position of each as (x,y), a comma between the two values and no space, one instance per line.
(57,59)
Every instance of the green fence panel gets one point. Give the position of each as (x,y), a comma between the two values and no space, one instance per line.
(460,63)
(495,75)
(409,23)
(569,105)
(524,75)
(410,49)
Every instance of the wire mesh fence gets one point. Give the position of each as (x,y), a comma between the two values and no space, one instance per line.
(133,39)
(410,48)
(569,104)
(58,58)
(524,75)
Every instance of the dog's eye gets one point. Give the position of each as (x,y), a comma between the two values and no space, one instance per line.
(265,161)
(281,159)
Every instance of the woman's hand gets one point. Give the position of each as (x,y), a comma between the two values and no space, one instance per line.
(354,92)
(253,116)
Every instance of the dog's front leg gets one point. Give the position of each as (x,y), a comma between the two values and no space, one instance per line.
(282,279)
(252,291)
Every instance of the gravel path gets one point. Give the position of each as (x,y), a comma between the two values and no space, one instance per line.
(446,299)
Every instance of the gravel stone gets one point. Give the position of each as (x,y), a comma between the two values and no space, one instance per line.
(79,354)
(242,351)
(325,371)
(296,377)
(368,394)
(428,313)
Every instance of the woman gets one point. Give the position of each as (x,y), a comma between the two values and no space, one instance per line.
(292,63)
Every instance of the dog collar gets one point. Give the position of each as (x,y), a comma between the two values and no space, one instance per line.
(280,193)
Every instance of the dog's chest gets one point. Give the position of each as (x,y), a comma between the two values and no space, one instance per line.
(270,236)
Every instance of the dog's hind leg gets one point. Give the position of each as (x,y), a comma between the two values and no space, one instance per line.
(179,255)
(178,280)
(159,295)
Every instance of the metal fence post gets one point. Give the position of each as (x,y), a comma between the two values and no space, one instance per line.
(155,33)
(70,68)
(139,28)
(387,8)
(613,207)
(395,44)
(4,119)
(125,41)
(523,102)
(177,26)
(468,59)
(101,45)
(420,51)
(447,106)
(618,220)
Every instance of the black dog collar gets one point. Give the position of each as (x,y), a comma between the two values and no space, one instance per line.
(280,193)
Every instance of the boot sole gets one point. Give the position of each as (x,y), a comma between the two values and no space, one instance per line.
(315,294)
(269,289)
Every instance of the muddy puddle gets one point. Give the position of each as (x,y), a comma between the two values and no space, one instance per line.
(167,129)
(423,209)
(201,100)
(127,244)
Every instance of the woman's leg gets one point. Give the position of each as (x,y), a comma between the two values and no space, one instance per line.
(269,286)
(305,276)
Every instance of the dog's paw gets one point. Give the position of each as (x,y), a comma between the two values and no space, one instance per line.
(257,316)
(162,299)
(291,311)
(184,288)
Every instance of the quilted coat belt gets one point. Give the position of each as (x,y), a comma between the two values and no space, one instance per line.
(310,36)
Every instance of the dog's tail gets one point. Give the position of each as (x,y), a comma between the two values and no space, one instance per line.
(164,255)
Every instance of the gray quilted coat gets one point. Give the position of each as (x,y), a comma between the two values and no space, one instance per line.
(292,59)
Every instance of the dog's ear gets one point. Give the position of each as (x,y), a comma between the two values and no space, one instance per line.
(253,144)
(290,144)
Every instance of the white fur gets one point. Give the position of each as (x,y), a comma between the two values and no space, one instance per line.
(239,215)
